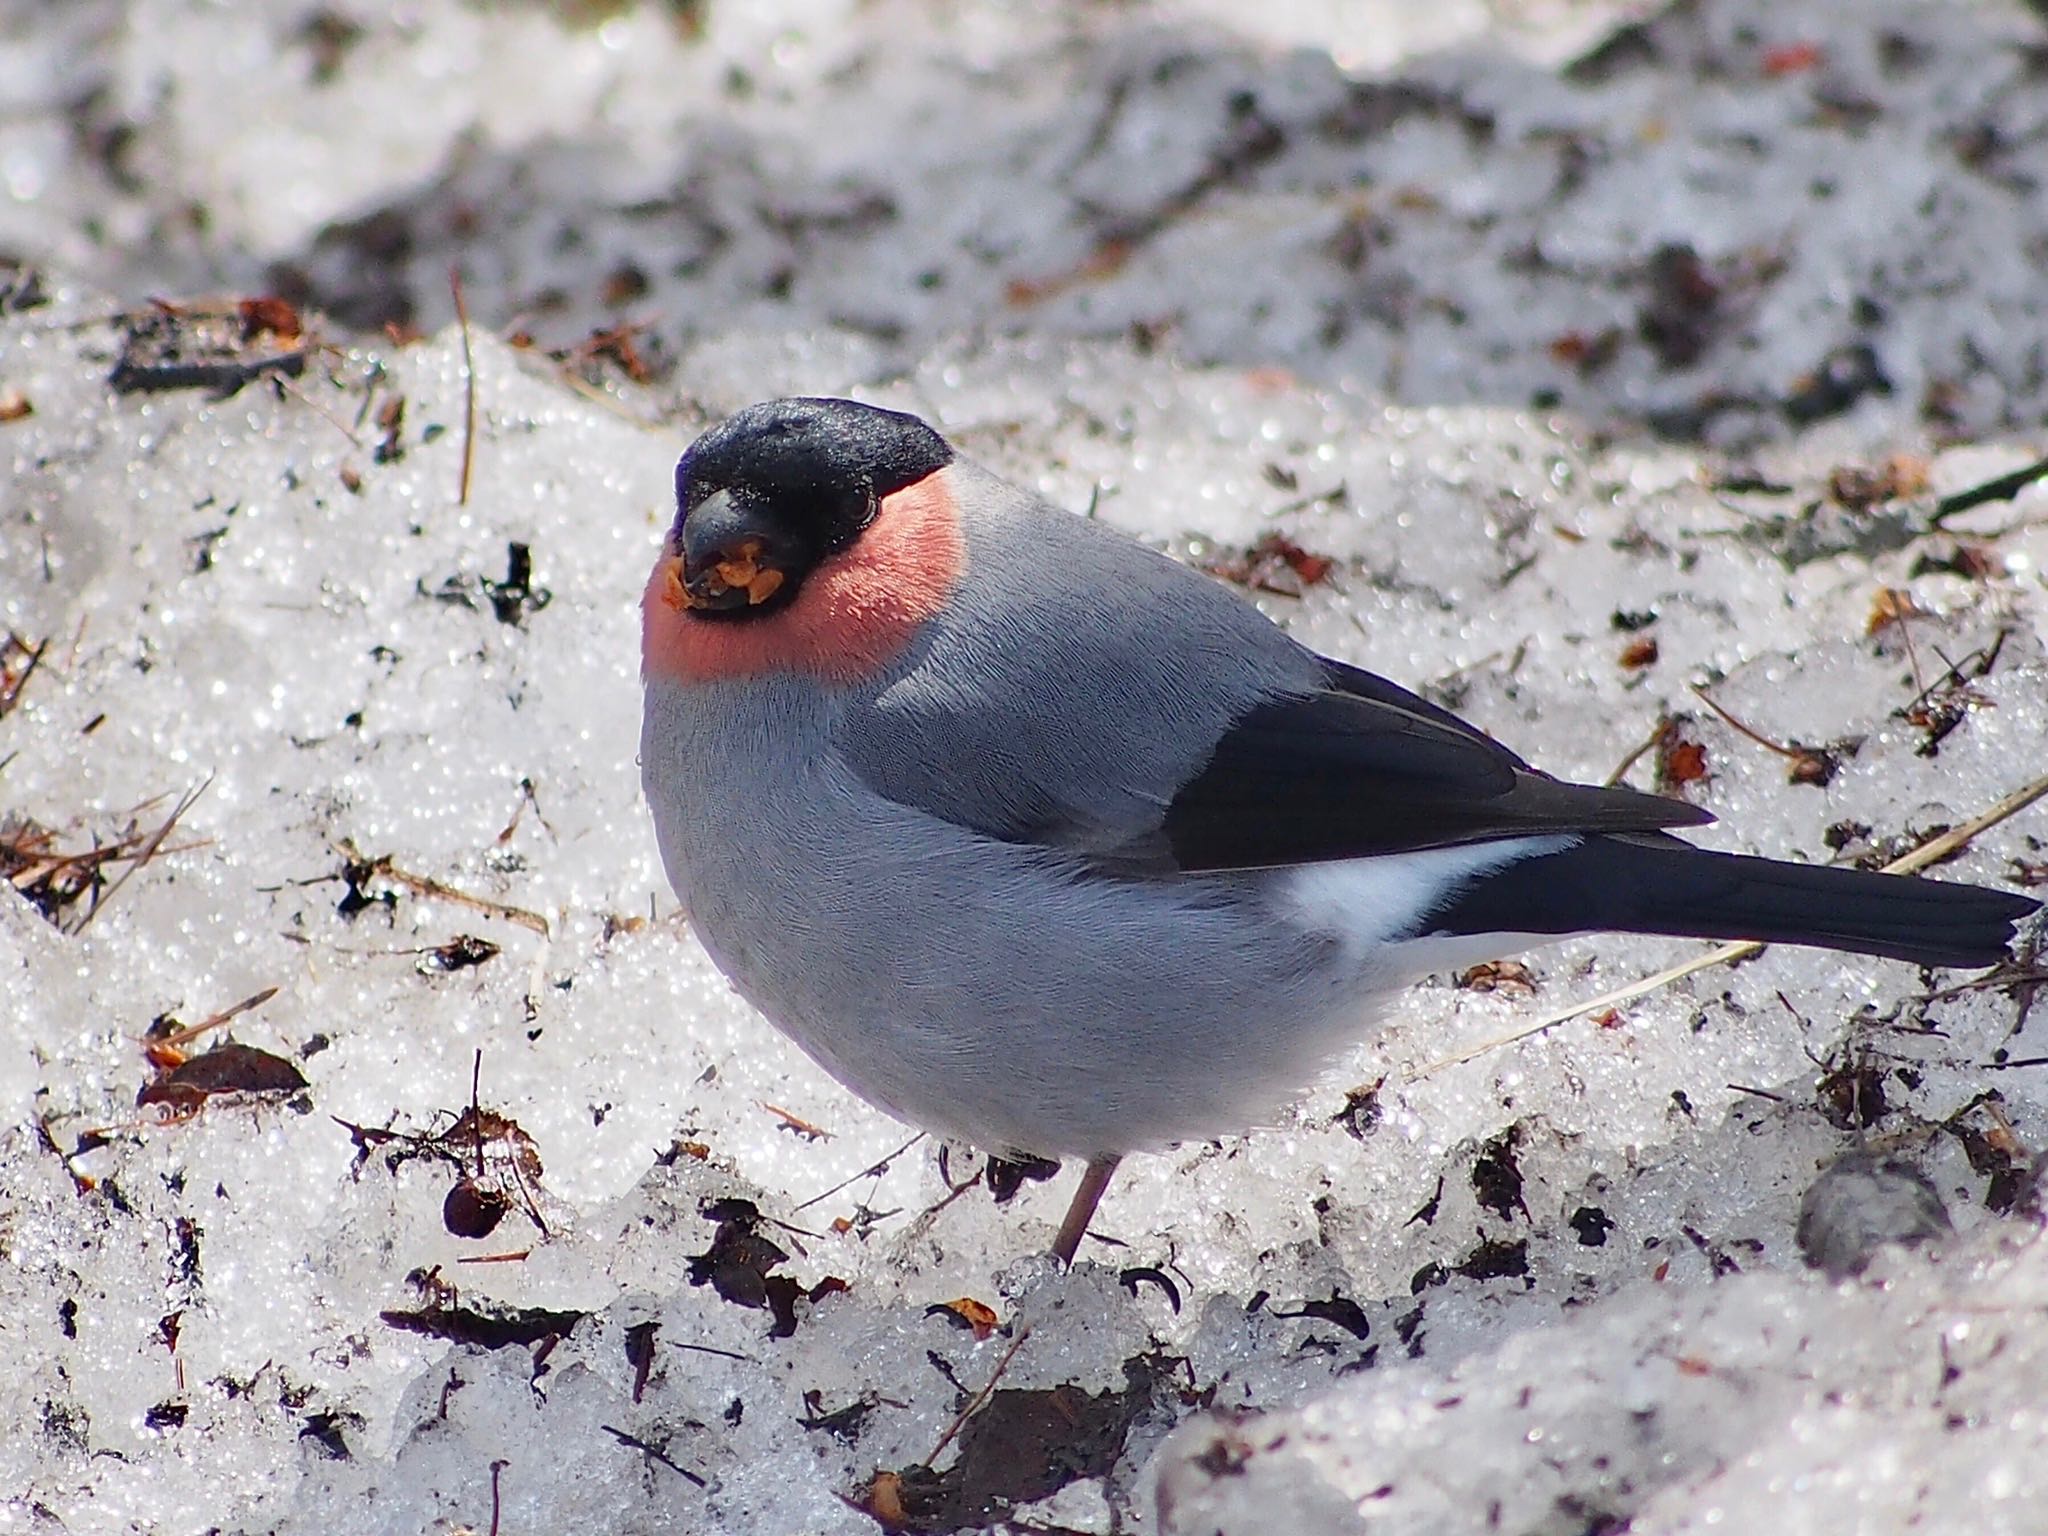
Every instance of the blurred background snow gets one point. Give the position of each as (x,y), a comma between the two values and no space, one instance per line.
(1561,357)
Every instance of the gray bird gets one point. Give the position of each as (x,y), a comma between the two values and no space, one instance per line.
(1036,838)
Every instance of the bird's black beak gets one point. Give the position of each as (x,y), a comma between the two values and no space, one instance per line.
(731,555)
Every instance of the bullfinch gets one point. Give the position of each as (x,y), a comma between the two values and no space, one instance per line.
(1039,839)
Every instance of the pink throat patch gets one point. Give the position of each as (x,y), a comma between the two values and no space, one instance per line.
(853,615)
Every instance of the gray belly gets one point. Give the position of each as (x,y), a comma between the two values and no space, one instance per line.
(996,994)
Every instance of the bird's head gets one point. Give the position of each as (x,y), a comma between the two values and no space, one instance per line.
(766,496)
(806,530)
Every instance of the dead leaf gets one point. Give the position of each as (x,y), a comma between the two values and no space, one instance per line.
(885,1501)
(1639,653)
(1891,606)
(483,1326)
(966,1312)
(1105,260)
(1507,976)
(739,1262)
(169,347)
(269,316)
(1680,761)
(228,1068)
(1274,564)
(1856,487)
(1020,1446)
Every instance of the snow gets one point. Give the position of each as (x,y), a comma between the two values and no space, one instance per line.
(1554,1285)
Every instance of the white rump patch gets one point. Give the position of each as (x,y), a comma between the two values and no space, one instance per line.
(1367,903)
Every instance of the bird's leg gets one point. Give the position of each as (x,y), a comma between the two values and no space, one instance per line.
(1094,1180)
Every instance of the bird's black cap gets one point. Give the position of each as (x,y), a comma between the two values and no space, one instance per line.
(784,484)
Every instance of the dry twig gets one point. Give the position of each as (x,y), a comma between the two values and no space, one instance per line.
(424,885)
(150,850)
(975,1403)
(192,1032)
(468,385)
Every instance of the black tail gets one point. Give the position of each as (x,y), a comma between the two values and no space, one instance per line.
(1657,884)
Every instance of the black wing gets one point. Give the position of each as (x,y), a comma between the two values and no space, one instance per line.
(1364,767)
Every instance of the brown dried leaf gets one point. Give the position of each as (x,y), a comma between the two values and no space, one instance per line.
(1639,653)
(1811,766)
(885,1501)
(229,1067)
(966,1312)
(1274,564)
(495,1132)
(1106,260)
(1509,976)
(1891,606)
(269,315)
(1680,761)
(1856,487)
(1018,1446)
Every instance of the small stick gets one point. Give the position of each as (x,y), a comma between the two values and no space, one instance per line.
(519,1183)
(1906,610)
(1932,851)
(476,1114)
(1648,744)
(1445,679)
(1753,734)
(318,409)
(953,1192)
(10,692)
(468,384)
(709,1349)
(194,1031)
(981,1397)
(873,1170)
(149,852)
(1761,1093)
(2001,976)
(634,1442)
(422,885)
(497,1467)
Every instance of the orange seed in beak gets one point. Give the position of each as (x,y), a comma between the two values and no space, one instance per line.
(745,573)
(673,593)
